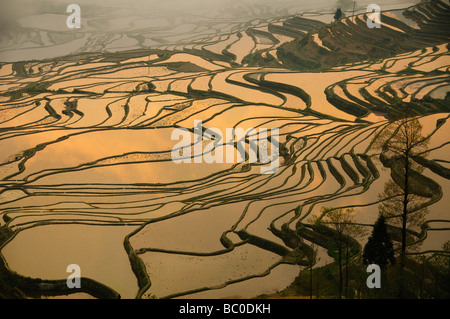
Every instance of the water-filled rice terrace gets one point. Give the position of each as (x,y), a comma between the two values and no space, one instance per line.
(87,175)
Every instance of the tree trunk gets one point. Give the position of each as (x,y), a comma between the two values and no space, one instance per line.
(317,289)
(340,266)
(404,219)
(346,272)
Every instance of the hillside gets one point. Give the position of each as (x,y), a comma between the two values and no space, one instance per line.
(350,40)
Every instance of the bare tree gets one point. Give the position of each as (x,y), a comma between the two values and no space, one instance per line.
(400,142)
(342,220)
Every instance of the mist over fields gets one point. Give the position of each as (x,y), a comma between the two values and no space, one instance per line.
(38,30)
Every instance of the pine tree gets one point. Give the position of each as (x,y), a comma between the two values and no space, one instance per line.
(379,248)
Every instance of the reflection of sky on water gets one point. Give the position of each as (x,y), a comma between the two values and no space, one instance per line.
(45,252)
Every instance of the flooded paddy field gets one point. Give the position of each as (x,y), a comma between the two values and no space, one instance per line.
(88,176)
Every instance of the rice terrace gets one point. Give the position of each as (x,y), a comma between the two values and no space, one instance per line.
(307,137)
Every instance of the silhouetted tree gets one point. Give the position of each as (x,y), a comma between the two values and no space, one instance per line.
(338,15)
(343,222)
(392,208)
(400,143)
(379,248)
